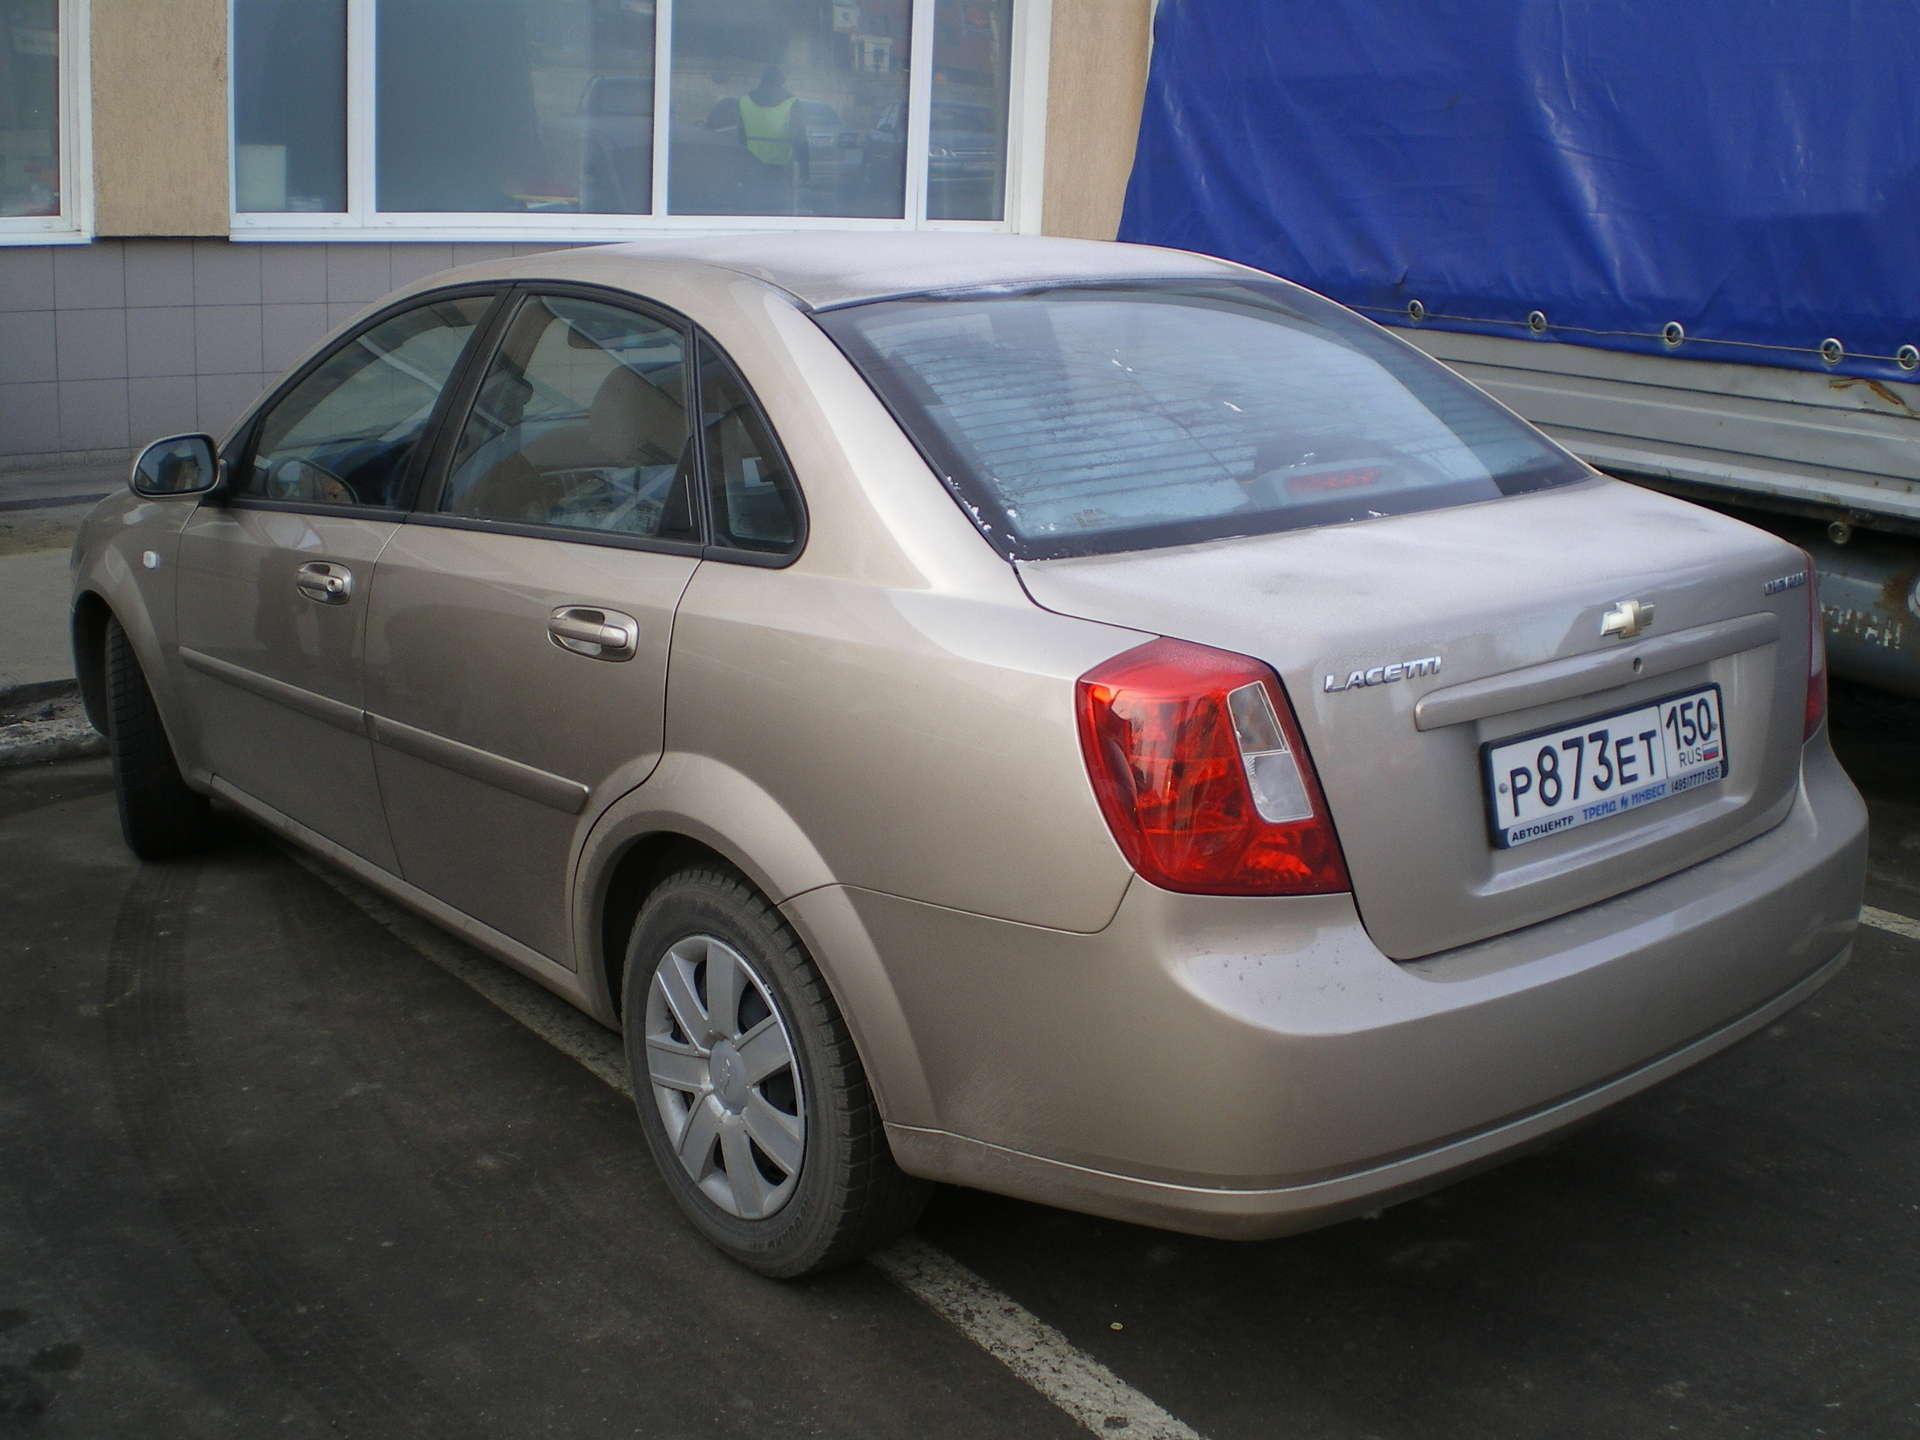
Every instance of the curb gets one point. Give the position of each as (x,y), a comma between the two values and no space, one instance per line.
(37,692)
(46,749)
(43,722)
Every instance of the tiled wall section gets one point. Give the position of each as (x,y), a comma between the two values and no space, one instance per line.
(106,346)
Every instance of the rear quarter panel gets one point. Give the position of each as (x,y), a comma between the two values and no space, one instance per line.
(890,709)
(924,744)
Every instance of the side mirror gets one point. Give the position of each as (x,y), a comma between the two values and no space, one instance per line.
(180,465)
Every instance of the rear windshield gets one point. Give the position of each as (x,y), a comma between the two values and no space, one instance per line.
(1089,419)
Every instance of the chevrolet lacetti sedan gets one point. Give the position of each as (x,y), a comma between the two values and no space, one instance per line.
(1088,722)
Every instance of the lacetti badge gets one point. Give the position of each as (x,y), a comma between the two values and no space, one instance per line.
(1782,583)
(1383,674)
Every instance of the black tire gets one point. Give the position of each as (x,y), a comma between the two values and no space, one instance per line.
(849,1197)
(159,816)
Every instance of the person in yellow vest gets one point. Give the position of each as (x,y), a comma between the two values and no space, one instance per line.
(775,135)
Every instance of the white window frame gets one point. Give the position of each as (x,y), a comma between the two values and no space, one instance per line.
(1026,155)
(74,224)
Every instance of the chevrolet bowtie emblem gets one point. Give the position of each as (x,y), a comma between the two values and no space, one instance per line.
(1626,620)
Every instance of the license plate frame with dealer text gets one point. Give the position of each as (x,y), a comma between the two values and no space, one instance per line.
(1603,767)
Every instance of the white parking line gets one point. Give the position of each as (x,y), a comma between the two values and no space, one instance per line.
(1027,1345)
(1020,1340)
(1890,922)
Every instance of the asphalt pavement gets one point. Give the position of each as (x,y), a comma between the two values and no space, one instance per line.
(272,1165)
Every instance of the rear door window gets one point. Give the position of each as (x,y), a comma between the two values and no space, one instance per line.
(1091,419)
(580,423)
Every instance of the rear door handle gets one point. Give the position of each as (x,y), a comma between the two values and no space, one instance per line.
(329,584)
(595,633)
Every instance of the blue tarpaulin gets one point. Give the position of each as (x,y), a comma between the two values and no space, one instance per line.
(1747,169)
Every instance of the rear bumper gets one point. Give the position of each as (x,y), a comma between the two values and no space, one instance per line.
(1250,1067)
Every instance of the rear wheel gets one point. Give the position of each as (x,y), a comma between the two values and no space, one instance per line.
(159,816)
(754,1103)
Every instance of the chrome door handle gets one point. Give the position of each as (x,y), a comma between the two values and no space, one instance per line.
(329,584)
(594,633)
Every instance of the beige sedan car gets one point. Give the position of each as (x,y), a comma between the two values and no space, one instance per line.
(1083,721)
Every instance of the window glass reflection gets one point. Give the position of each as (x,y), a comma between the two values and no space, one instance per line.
(290,105)
(967,132)
(515,105)
(789,109)
(755,503)
(346,433)
(581,421)
(29,107)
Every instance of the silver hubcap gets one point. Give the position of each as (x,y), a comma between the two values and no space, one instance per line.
(724,1077)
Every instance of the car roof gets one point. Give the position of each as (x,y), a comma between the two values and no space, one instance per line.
(822,269)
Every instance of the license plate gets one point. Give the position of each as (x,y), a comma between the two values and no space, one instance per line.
(1555,780)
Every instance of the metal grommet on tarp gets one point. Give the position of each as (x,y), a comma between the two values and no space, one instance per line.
(1908,357)
(1416,312)
(1672,334)
(1832,351)
(1536,320)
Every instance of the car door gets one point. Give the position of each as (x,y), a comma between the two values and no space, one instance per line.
(274,574)
(518,641)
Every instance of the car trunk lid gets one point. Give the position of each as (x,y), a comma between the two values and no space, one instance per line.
(1408,643)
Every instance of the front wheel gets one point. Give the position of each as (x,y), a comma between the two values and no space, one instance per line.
(159,816)
(753,1100)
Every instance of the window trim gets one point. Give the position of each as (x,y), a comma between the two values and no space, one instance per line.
(239,450)
(427,468)
(740,554)
(464,390)
(74,224)
(362,221)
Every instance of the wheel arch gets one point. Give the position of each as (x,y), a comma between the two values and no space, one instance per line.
(89,638)
(633,874)
(694,810)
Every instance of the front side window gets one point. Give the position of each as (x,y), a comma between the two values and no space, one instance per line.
(580,422)
(441,117)
(1085,420)
(347,432)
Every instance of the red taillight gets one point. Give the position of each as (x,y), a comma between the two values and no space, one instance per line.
(1199,768)
(1816,654)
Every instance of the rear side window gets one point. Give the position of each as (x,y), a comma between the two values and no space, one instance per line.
(755,503)
(344,435)
(1086,420)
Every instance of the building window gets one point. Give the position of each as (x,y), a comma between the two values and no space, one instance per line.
(290,106)
(588,119)
(967,144)
(513,106)
(774,110)
(42,121)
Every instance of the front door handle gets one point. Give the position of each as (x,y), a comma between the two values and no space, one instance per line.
(329,584)
(595,633)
